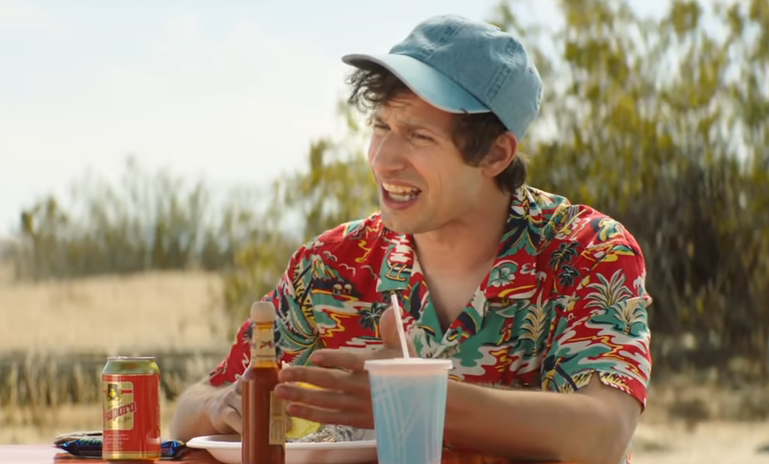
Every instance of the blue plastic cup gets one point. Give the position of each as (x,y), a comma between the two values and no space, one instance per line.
(409,401)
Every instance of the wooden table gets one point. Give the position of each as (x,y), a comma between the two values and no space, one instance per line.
(46,454)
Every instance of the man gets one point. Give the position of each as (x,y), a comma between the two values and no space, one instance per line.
(526,293)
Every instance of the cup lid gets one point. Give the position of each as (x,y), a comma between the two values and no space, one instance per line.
(407,363)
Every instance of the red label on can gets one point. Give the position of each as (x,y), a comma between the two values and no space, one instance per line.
(131,417)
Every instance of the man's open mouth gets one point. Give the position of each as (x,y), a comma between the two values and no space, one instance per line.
(400,193)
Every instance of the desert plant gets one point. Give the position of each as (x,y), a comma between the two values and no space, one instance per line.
(148,221)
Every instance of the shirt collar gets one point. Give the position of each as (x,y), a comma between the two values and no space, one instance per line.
(513,274)
(398,262)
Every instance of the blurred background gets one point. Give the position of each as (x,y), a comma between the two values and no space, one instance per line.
(159,161)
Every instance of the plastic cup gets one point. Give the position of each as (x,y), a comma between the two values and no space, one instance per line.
(409,402)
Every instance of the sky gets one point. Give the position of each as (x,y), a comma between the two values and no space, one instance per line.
(232,92)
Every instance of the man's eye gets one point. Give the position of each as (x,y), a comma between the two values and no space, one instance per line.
(380,126)
(424,137)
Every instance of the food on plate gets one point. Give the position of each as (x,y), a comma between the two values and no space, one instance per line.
(299,427)
(330,433)
(305,431)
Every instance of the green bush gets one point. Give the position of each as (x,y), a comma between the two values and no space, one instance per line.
(148,221)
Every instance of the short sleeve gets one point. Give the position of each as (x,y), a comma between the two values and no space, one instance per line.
(295,332)
(237,359)
(601,326)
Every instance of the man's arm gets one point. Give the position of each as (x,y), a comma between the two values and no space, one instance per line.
(591,427)
(206,410)
(212,406)
(595,370)
(598,348)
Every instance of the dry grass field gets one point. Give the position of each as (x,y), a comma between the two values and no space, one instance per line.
(176,311)
(153,311)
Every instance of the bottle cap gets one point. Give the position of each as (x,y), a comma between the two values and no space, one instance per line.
(262,311)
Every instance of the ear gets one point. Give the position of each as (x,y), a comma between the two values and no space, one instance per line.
(501,154)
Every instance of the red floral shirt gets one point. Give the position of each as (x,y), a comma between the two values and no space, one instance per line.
(565,299)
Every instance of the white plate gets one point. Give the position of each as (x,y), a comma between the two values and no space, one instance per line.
(226,449)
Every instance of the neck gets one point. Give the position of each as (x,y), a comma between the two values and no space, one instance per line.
(467,243)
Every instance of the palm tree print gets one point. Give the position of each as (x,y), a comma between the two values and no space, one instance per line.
(534,323)
(567,275)
(369,317)
(607,292)
(629,312)
(564,254)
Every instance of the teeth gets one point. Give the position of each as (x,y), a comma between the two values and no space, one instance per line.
(399,189)
(399,197)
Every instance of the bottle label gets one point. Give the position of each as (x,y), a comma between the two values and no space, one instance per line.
(263,344)
(277,420)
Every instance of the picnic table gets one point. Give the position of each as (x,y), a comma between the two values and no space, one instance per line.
(47,454)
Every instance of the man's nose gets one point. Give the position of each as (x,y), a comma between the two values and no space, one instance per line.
(387,154)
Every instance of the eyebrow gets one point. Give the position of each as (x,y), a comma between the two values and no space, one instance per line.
(411,125)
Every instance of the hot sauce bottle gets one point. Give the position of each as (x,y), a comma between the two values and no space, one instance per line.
(264,415)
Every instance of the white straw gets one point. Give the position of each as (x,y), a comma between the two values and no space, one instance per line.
(399,322)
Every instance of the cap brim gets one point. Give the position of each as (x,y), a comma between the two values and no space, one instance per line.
(428,83)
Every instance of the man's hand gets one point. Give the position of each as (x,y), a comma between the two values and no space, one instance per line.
(224,409)
(344,396)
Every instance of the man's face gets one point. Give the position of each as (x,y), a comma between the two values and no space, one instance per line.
(424,184)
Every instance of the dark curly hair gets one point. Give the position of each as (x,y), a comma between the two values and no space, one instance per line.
(474,134)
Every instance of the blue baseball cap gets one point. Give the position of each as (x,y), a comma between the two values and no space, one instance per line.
(464,66)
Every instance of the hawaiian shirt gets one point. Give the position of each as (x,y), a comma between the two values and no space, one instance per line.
(565,299)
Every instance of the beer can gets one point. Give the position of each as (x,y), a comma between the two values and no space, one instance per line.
(131,409)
